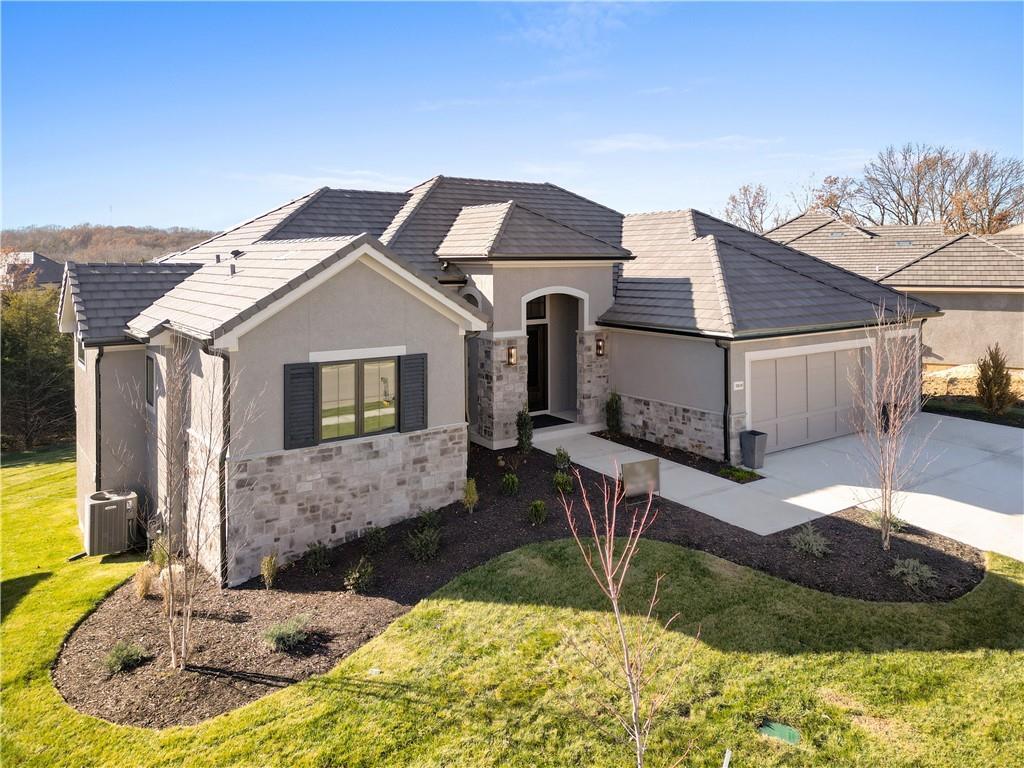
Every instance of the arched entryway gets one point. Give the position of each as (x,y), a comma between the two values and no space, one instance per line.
(552,319)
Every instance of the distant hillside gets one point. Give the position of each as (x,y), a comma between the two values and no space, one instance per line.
(89,242)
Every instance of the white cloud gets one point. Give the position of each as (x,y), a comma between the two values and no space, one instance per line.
(649,142)
(573,27)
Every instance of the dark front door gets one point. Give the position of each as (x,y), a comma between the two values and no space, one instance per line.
(537,367)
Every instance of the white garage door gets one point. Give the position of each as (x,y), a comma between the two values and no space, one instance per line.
(802,398)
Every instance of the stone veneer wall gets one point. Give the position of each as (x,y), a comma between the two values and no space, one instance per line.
(500,388)
(592,387)
(282,502)
(679,426)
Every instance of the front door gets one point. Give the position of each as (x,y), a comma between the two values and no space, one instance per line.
(537,367)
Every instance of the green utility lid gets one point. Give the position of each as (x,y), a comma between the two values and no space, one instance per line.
(780,731)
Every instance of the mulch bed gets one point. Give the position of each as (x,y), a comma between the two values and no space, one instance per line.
(678,455)
(232,664)
(968,408)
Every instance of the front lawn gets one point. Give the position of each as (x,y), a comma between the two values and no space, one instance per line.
(970,408)
(481,672)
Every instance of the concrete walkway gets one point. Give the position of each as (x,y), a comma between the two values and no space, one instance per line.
(969,483)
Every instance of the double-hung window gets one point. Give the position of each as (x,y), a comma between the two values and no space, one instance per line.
(358,398)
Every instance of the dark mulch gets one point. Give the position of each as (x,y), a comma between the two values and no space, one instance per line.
(679,456)
(234,666)
(968,408)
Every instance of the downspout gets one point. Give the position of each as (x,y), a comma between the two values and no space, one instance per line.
(98,478)
(726,378)
(222,460)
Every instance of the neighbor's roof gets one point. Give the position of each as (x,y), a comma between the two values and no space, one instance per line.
(967,261)
(106,296)
(697,274)
(510,230)
(869,251)
(214,300)
(46,270)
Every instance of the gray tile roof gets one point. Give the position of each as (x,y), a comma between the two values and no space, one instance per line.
(213,300)
(107,296)
(510,230)
(339,212)
(695,273)
(46,270)
(966,261)
(869,251)
(422,225)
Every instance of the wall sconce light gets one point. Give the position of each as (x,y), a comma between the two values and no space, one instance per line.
(511,355)
(600,346)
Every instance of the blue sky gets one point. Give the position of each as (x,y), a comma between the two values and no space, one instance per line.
(204,114)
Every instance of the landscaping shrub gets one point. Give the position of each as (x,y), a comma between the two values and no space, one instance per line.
(510,484)
(562,459)
(995,385)
(317,558)
(896,524)
(288,635)
(374,541)
(562,482)
(738,474)
(613,413)
(524,430)
(470,498)
(268,569)
(159,551)
(913,573)
(125,656)
(143,580)
(537,512)
(429,518)
(422,544)
(810,541)
(359,578)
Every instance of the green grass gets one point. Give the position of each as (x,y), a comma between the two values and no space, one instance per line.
(969,408)
(738,474)
(482,673)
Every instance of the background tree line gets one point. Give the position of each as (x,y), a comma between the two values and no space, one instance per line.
(92,242)
(976,191)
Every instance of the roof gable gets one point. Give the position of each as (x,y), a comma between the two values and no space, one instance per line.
(966,261)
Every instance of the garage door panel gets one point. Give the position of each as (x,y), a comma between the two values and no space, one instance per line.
(791,386)
(847,375)
(792,432)
(821,381)
(821,426)
(762,394)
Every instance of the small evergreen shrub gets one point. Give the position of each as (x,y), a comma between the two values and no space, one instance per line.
(268,569)
(524,430)
(160,551)
(915,574)
(995,386)
(125,656)
(510,484)
(287,636)
(537,512)
(470,498)
(142,581)
(562,459)
(896,524)
(429,518)
(810,541)
(374,541)
(613,413)
(359,578)
(422,544)
(317,558)
(562,482)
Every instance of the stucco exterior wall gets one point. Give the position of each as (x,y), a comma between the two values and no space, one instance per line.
(971,323)
(122,379)
(563,323)
(85,430)
(357,309)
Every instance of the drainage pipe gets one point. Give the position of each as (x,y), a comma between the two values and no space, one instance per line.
(726,376)
(222,459)
(98,426)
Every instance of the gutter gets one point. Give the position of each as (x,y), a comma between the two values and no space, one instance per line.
(222,460)
(98,478)
(726,377)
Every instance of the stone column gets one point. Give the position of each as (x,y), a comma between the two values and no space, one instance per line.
(500,389)
(592,388)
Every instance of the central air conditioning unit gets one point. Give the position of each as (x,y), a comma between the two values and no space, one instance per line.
(111,522)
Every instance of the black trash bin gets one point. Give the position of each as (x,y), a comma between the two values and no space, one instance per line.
(752,445)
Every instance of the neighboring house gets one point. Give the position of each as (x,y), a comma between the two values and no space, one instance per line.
(977,280)
(20,264)
(379,333)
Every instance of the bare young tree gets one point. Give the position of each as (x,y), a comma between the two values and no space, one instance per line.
(989,195)
(752,207)
(886,387)
(635,648)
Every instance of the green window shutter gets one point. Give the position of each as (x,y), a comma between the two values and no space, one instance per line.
(412,399)
(301,405)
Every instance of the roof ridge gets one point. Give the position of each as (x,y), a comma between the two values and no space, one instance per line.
(579,197)
(997,245)
(499,228)
(658,213)
(387,237)
(915,260)
(517,204)
(312,197)
(790,220)
(723,289)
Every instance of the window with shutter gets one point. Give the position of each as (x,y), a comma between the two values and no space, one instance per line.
(412,378)
(301,405)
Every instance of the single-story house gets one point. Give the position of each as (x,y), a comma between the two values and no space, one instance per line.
(977,280)
(336,355)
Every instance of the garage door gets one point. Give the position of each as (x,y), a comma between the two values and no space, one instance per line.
(802,398)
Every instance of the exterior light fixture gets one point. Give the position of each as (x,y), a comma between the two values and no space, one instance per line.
(600,346)
(511,355)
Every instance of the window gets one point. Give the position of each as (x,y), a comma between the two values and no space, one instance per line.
(837,234)
(904,243)
(80,350)
(150,381)
(358,398)
(472,299)
(536,309)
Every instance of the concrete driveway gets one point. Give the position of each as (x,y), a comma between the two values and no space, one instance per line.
(968,485)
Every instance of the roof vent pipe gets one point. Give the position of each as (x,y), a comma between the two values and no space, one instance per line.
(216,258)
(231,269)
